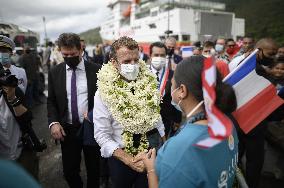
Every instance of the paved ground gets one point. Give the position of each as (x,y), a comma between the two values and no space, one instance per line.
(50,174)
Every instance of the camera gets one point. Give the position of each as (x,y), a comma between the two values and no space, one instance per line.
(31,141)
(7,79)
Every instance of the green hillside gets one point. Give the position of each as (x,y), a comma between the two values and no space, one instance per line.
(92,36)
(264,18)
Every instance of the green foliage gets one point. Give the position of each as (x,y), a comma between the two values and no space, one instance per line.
(263,18)
(92,36)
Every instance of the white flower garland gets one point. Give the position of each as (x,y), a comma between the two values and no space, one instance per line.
(137,113)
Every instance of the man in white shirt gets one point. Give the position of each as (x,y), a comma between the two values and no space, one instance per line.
(116,98)
(71,90)
(170,115)
(247,48)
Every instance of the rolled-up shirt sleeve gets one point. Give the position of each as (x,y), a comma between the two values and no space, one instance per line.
(161,128)
(103,130)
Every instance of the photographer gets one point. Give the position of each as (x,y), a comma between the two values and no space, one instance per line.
(6,47)
(15,120)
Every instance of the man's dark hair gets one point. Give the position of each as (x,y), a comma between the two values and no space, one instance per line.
(230,40)
(69,40)
(249,37)
(157,44)
(197,44)
(127,42)
(27,50)
(49,44)
(208,44)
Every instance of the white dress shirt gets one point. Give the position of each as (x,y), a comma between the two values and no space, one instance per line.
(235,62)
(20,74)
(82,91)
(153,70)
(107,131)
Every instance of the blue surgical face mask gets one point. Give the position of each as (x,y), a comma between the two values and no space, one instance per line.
(219,47)
(5,58)
(176,105)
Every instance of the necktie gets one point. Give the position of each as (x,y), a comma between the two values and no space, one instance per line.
(157,73)
(170,63)
(74,104)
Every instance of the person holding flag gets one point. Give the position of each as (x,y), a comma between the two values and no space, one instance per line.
(204,151)
(257,99)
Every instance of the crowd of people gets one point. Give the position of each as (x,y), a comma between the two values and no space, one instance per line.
(137,117)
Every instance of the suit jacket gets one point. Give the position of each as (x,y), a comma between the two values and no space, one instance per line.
(145,58)
(177,58)
(57,102)
(168,111)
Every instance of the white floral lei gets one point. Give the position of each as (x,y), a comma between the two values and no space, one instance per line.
(137,113)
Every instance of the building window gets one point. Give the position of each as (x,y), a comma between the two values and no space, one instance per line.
(152,26)
(154,13)
(185,38)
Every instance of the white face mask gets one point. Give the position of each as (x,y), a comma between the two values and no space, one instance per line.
(129,71)
(158,62)
(207,55)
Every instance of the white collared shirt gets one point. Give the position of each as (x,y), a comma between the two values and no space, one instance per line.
(153,70)
(82,91)
(107,131)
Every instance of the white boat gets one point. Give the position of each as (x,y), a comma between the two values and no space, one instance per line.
(187,20)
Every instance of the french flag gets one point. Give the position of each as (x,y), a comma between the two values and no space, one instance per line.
(219,125)
(256,96)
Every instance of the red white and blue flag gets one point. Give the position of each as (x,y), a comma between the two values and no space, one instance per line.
(219,125)
(163,80)
(256,96)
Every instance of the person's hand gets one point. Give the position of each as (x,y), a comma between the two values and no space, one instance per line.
(10,92)
(176,126)
(138,166)
(147,158)
(140,156)
(85,114)
(57,132)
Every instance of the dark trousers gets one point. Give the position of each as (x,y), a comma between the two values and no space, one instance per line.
(123,176)
(71,149)
(253,145)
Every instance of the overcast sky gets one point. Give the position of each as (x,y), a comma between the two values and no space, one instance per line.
(61,15)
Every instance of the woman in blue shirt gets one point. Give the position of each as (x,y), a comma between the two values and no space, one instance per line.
(181,164)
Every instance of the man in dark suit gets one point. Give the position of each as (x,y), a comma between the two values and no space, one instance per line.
(142,55)
(173,59)
(159,66)
(71,90)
